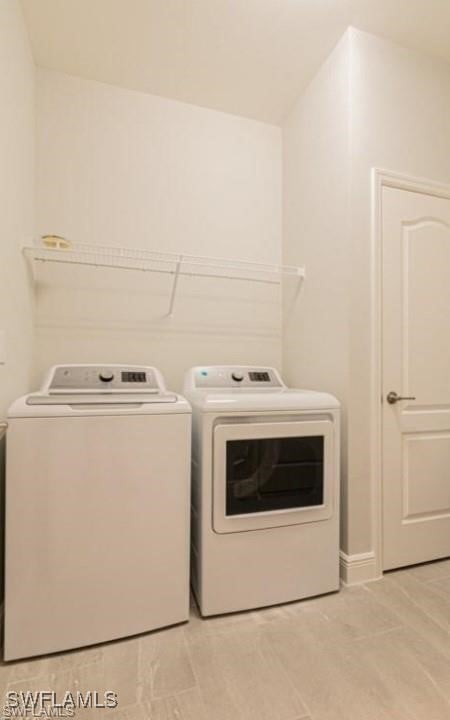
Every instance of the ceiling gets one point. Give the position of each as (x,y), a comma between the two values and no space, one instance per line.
(248,57)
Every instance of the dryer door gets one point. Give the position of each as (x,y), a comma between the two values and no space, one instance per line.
(272,474)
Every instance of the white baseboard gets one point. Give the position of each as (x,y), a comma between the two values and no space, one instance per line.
(359,568)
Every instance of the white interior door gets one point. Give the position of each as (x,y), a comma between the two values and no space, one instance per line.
(416,363)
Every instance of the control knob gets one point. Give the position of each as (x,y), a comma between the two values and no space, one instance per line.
(106,376)
(238,376)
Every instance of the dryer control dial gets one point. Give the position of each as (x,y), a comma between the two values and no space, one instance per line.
(106,376)
(238,376)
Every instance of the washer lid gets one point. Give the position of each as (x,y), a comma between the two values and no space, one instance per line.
(99,399)
(94,389)
(40,405)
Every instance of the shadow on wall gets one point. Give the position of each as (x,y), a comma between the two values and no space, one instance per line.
(107,315)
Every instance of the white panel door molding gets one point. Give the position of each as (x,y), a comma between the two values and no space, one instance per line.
(415,317)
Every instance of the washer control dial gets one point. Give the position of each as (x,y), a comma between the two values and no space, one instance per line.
(238,376)
(106,376)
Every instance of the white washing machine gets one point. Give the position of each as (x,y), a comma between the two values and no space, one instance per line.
(265,489)
(97,509)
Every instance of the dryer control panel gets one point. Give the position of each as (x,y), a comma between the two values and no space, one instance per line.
(230,376)
(104,378)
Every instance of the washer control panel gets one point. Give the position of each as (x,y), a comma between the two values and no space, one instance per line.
(104,378)
(224,376)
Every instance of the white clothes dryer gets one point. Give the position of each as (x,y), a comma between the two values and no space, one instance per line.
(97,509)
(265,489)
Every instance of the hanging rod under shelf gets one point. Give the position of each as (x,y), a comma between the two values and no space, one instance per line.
(166,263)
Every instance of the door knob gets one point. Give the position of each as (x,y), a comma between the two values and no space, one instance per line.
(393,398)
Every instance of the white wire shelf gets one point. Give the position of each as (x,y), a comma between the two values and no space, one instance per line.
(168,263)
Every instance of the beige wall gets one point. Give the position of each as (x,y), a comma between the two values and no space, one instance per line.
(400,115)
(118,167)
(123,168)
(315,198)
(17,134)
(17,75)
(372,104)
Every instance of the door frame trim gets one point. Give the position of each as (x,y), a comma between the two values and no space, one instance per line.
(381,178)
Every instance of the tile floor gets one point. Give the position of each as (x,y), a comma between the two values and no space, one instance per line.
(379,651)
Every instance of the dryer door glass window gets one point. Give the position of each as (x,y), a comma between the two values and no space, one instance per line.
(267,474)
